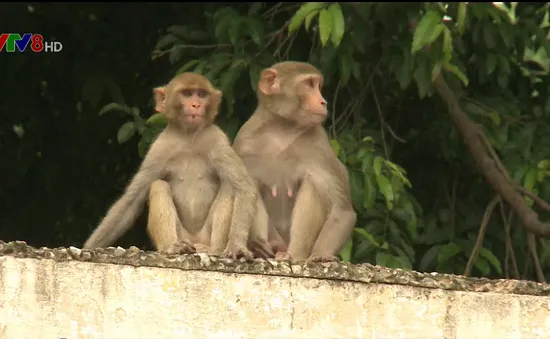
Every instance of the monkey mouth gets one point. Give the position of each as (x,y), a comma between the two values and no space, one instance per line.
(193,117)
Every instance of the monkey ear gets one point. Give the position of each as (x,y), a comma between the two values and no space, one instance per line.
(215,101)
(160,99)
(269,82)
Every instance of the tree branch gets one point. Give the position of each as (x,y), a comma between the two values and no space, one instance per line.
(498,180)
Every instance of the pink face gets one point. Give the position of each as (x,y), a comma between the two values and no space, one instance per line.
(309,89)
(194,103)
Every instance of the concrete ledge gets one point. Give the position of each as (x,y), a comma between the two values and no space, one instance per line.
(118,293)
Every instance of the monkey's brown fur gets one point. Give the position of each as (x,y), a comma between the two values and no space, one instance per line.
(303,186)
(199,192)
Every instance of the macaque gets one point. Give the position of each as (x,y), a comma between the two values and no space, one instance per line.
(303,187)
(201,197)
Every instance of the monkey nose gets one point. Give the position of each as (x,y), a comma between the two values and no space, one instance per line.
(323,102)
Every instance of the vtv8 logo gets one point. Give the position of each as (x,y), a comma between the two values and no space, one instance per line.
(10,41)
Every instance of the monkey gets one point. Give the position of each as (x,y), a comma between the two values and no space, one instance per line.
(303,186)
(200,195)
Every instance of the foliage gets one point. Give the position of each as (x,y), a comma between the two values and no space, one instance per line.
(379,61)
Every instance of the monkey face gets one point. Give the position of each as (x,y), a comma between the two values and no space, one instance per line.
(313,104)
(192,105)
(189,100)
(292,90)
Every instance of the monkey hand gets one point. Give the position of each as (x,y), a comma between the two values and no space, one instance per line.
(235,251)
(181,247)
(322,258)
(261,249)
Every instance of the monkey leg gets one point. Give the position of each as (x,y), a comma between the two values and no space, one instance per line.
(218,221)
(163,224)
(334,234)
(259,234)
(308,217)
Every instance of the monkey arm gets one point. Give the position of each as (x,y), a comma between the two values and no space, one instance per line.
(125,211)
(341,216)
(335,232)
(232,171)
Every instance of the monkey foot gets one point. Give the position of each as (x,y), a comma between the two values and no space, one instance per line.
(283,256)
(279,246)
(181,247)
(323,258)
(200,248)
(236,252)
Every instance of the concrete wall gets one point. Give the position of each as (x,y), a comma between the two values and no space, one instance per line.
(117,293)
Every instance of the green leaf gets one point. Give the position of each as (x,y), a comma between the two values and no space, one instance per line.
(436,71)
(228,78)
(302,13)
(188,66)
(309,18)
(345,62)
(488,35)
(335,146)
(388,260)
(495,117)
(176,54)
(378,161)
(483,266)
(255,29)
(429,258)
(461,18)
(338,23)
(370,193)
(234,31)
(457,72)
(447,252)
(504,65)
(179,31)
(126,131)
(325,26)
(529,180)
(356,187)
(423,77)
(143,146)
(411,221)
(428,29)
(491,258)
(254,75)
(447,45)
(156,119)
(200,66)
(225,18)
(386,189)
(490,63)
(366,163)
(406,70)
(93,89)
(403,258)
(167,41)
(345,253)
(255,8)
(114,107)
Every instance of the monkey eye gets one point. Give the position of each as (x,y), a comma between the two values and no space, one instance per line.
(310,82)
(187,93)
(202,93)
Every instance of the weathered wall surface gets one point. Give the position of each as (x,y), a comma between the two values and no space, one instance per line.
(69,293)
